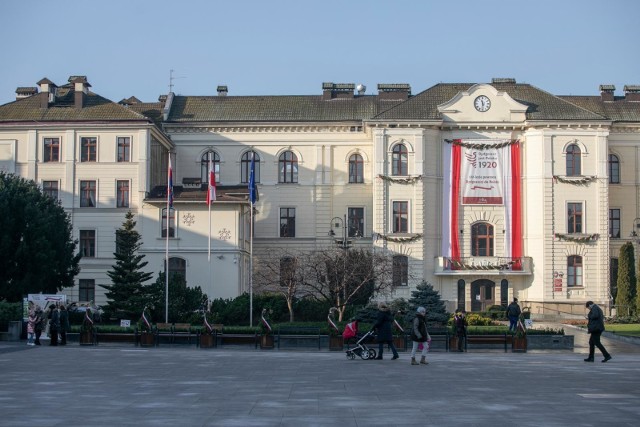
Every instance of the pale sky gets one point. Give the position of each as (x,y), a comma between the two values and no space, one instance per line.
(290,47)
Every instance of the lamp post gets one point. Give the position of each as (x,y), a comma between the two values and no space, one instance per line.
(635,234)
(337,222)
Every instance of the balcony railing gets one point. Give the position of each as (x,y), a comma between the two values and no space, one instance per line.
(486,265)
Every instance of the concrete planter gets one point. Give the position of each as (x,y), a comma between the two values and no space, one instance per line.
(549,342)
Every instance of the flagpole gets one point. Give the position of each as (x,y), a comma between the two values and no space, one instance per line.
(209,203)
(252,200)
(166,260)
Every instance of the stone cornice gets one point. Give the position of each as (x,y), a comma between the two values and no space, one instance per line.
(173,129)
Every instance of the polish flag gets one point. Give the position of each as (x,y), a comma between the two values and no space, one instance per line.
(211,192)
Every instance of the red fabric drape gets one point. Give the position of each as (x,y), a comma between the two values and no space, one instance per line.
(455,198)
(516,207)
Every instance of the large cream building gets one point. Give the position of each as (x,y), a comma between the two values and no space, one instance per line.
(488,191)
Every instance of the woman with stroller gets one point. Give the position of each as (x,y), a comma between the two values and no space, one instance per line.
(385,334)
(419,334)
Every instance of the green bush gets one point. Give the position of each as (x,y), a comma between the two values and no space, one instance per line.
(10,311)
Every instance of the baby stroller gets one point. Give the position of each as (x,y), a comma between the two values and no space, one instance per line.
(360,349)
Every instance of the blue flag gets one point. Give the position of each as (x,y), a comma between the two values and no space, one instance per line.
(170,184)
(253,193)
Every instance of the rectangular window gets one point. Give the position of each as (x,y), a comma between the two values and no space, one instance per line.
(87,290)
(88,243)
(356,222)
(50,188)
(574,271)
(51,150)
(400,217)
(614,223)
(400,270)
(87,194)
(122,197)
(172,222)
(574,217)
(287,222)
(124,149)
(88,149)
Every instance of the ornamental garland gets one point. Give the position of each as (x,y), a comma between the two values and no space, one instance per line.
(480,145)
(459,265)
(399,239)
(403,181)
(585,239)
(579,181)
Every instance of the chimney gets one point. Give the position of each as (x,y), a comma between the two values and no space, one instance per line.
(632,92)
(394,91)
(337,90)
(162,99)
(25,92)
(47,92)
(606,92)
(81,87)
(222,90)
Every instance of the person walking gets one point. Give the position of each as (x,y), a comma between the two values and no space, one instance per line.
(513,313)
(64,324)
(54,325)
(420,335)
(39,323)
(383,327)
(31,327)
(595,327)
(460,323)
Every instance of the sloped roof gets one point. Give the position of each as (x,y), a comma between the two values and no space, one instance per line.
(95,108)
(619,110)
(542,105)
(297,108)
(152,110)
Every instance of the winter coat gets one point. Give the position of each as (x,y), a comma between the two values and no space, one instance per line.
(460,323)
(31,324)
(54,320)
(383,325)
(40,321)
(419,329)
(64,321)
(513,310)
(596,319)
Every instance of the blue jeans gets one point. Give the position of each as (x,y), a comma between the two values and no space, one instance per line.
(513,322)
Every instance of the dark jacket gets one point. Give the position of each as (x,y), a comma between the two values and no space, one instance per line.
(460,322)
(596,319)
(64,321)
(513,310)
(419,329)
(54,320)
(383,325)
(40,321)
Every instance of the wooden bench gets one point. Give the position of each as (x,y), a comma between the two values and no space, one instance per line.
(299,333)
(222,336)
(503,339)
(174,331)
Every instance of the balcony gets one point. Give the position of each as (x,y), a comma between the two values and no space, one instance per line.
(485,265)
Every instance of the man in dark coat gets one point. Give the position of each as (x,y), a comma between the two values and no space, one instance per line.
(595,327)
(383,327)
(513,313)
(460,323)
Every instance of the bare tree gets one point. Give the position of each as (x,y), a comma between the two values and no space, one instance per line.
(346,277)
(280,271)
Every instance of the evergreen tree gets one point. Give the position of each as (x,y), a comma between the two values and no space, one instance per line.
(185,303)
(127,295)
(37,250)
(626,280)
(427,297)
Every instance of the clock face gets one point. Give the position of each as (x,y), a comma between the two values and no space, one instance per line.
(482,103)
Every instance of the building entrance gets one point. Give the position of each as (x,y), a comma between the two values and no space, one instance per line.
(482,294)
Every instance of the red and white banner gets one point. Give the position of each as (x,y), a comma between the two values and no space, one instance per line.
(477,174)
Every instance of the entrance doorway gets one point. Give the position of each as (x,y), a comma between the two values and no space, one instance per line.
(483,293)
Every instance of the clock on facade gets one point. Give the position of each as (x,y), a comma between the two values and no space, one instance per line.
(482,103)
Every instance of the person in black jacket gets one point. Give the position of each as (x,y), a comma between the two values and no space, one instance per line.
(54,325)
(64,324)
(513,313)
(383,327)
(419,334)
(595,327)
(460,324)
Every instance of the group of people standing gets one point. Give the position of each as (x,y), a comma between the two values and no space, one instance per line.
(56,317)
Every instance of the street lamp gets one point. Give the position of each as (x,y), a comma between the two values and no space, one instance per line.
(635,235)
(337,222)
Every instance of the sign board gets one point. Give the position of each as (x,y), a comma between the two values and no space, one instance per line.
(528,323)
(125,323)
(557,284)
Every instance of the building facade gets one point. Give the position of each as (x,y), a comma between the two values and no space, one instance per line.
(488,191)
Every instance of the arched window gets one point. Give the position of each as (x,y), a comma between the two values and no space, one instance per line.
(356,169)
(574,271)
(614,169)
(245,167)
(399,160)
(574,167)
(288,167)
(482,239)
(204,166)
(400,270)
(177,266)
